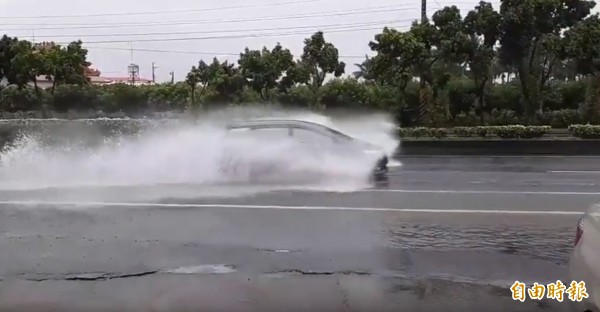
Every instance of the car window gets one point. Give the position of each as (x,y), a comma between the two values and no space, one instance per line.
(273,134)
(307,136)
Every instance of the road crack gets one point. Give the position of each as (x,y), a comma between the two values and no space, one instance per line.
(309,272)
(108,276)
(344,293)
(93,276)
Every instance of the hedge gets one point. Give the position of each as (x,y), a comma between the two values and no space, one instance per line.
(585,131)
(505,132)
(562,103)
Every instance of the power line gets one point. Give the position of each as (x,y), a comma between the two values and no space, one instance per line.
(381,9)
(163,12)
(226,31)
(330,30)
(193,52)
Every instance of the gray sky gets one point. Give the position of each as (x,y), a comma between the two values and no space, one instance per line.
(216,28)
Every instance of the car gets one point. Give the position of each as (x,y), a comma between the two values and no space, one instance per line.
(322,139)
(584,263)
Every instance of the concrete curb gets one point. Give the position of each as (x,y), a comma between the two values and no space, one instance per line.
(499,147)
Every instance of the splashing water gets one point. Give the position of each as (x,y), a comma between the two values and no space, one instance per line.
(192,155)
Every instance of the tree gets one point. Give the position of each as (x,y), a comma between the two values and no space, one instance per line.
(397,52)
(192,80)
(530,41)
(7,53)
(227,80)
(27,64)
(582,45)
(263,69)
(318,59)
(423,65)
(221,77)
(451,46)
(66,65)
(365,70)
(482,25)
(202,75)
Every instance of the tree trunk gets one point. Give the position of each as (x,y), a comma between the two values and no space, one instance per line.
(425,110)
(53,86)
(193,89)
(528,93)
(480,93)
(265,96)
(593,99)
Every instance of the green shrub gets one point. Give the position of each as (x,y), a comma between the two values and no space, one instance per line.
(585,131)
(506,132)
(404,132)
(464,131)
(345,93)
(467,120)
(559,118)
(572,94)
(14,99)
(503,102)
(505,97)
(423,132)
(299,96)
(129,99)
(481,131)
(520,131)
(74,97)
(461,95)
(167,97)
(503,117)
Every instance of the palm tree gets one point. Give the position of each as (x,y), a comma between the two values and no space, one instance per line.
(364,69)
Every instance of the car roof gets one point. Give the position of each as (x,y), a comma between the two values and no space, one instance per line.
(286,123)
(274,122)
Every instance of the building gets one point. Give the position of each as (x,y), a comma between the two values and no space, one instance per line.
(96,78)
(93,74)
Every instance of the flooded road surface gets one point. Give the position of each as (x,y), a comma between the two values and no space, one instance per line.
(432,240)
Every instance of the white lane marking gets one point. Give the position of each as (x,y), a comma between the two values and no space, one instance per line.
(278,207)
(394,164)
(559,183)
(425,156)
(202,269)
(477,192)
(575,171)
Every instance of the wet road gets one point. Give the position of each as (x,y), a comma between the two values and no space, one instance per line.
(447,234)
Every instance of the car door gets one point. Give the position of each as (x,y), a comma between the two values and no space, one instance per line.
(314,142)
(254,150)
(585,259)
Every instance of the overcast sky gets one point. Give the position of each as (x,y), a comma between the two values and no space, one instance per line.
(178,33)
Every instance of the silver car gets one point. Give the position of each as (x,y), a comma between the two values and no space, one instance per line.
(585,260)
(319,138)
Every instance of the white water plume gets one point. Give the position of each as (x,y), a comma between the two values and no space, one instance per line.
(191,154)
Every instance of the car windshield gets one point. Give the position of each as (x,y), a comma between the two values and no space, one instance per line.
(337,134)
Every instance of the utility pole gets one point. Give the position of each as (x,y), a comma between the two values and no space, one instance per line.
(131,47)
(153,75)
(172,77)
(423,11)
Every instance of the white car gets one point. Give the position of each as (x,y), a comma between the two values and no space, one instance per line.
(585,260)
(321,140)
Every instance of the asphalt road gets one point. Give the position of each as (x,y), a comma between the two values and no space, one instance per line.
(447,234)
